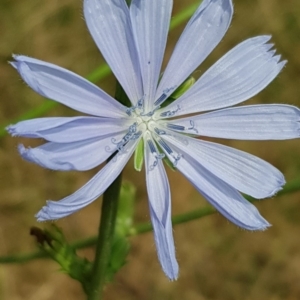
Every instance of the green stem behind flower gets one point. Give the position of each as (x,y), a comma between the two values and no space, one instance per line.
(104,239)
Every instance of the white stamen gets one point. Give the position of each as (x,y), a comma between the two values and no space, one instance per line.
(182,128)
(151,113)
(132,134)
(164,96)
(159,131)
(156,155)
(170,113)
(139,106)
(165,146)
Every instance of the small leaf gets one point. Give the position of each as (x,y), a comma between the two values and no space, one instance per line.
(53,243)
(183,87)
(139,156)
(180,90)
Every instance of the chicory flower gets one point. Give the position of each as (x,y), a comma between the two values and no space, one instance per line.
(132,41)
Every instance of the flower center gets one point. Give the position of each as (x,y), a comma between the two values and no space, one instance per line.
(144,123)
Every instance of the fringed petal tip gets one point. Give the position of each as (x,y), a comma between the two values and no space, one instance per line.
(276,58)
(15,130)
(174,274)
(173,277)
(14,64)
(46,159)
(28,155)
(20,58)
(258,223)
(271,52)
(281,183)
(280,187)
(266,227)
(42,215)
(263,227)
(166,252)
(17,60)
(24,152)
(298,122)
(11,129)
(51,211)
(15,56)
(270,49)
(171,273)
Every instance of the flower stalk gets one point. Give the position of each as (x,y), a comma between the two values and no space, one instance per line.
(105,238)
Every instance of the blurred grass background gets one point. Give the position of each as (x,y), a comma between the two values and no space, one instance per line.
(217,260)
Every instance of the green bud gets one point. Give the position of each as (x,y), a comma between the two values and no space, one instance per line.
(120,245)
(180,90)
(183,87)
(54,244)
(126,209)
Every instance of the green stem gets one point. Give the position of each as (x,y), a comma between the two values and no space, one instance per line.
(183,15)
(104,239)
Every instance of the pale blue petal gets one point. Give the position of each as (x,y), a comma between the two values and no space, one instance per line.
(110,26)
(67,88)
(252,122)
(245,172)
(203,32)
(68,129)
(160,209)
(227,200)
(237,76)
(90,191)
(150,22)
(223,197)
(80,156)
